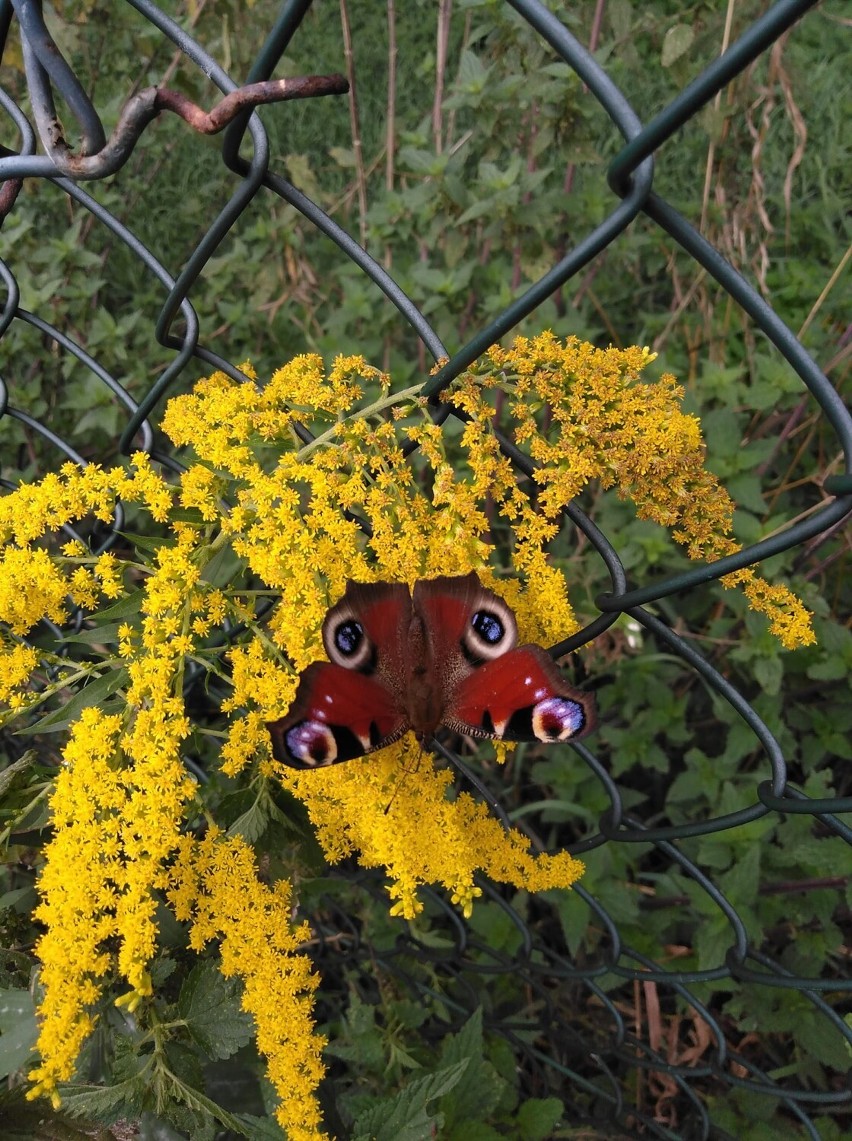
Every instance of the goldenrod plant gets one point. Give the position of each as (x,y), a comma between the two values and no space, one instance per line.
(131,828)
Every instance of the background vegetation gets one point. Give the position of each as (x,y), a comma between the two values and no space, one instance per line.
(467,180)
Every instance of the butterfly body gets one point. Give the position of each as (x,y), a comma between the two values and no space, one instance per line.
(399,662)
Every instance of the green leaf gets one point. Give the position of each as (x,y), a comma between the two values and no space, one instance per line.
(12,898)
(823,1041)
(19,766)
(830,669)
(124,608)
(92,694)
(261,1128)
(741,881)
(678,40)
(478,1093)
(769,673)
(405,1116)
(151,543)
(18,1030)
(106,633)
(537,1118)
(210,1005)
(364,1043)
(747,491)
(252,823)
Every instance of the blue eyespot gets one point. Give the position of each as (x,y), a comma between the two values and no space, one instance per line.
(488,626)
(348,637)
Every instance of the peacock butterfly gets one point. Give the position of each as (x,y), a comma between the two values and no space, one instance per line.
(444,655)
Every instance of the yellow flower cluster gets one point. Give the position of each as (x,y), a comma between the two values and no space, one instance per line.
(289,521)
(392,809)
(80,886)
(214,886)
(33,585)
(17,664)
(605,423)
(118,807)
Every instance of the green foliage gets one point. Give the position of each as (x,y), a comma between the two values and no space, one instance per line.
(476,209)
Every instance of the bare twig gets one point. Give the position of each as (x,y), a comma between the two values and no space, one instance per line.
(139,111)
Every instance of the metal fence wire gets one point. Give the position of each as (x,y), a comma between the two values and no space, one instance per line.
(594,1066)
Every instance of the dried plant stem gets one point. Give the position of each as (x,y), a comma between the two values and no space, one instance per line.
(445,11)
(717,102)
(355,127)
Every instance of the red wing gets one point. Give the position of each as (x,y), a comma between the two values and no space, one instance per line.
(337,714)
(446,604)
(520,696)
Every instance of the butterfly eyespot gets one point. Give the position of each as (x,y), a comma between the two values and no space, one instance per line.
(348,637)
(311,744)
(348,645)
(490,632)
(557,719)
(488,627)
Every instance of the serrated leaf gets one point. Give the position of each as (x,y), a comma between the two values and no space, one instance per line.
(477,210)
(92,694)
(678,40)
(35,1121)
(210,1005)
(251,824)
(769,673)
(831,669)
(816,1036)
(194,1099)
(261,1128)
(480,1089)
(747,491)
(537,1118)
(19,766)
(101,1102)
(405,1117)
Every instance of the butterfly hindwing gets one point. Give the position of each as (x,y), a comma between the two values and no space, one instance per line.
(338,714)
(520,696)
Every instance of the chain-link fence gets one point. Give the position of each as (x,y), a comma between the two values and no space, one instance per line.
(597,1064)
